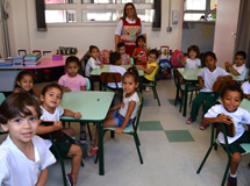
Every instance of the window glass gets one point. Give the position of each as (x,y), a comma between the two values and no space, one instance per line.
(60,16)
(193,16)
(195,5)
(59,1)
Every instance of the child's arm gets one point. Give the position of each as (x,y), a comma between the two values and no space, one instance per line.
(131,107)
(70,113)
(83,88)
(220,118)
(200,82)
(117,106)
(42,178)
(57,125)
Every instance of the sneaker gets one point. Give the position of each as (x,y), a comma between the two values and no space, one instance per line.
(231,181)
(93,151)
(147,89)
(202,127)
(83,137)
(69,180)
(189,121)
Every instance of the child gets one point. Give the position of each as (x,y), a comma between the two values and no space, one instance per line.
(140,52)
(192,61)
(152,66)
(51,111)
(72,80)
(121,48)
(206,80)
(24,82)
(93,61)
(24,156)
(246,87)
(239,68)
(230,113)
(115,61)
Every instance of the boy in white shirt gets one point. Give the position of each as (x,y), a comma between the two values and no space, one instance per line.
(239,68)
(24,157)
(246,87)
(235,118)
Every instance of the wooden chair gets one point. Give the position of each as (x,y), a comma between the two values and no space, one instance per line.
(215,129)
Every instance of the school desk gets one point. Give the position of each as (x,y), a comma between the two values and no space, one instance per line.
(93,106)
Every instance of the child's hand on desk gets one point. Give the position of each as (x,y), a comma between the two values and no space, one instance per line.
(77,115)
(57,125)
(119,130)
(222,118)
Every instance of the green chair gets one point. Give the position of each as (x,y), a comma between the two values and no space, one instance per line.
(215,129)
(131,130)
(2,97)
(153,85)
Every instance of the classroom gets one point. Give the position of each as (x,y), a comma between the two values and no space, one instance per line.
(124,92)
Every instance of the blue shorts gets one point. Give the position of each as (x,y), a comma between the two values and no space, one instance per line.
(119,119)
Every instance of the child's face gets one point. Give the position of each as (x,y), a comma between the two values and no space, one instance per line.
(95,53)
(122,50)
(22,129)
(26,83)
(141,43)
(231,100)
(72,69)
(52,98)
(239,60)
(210,63)
(152,58)
(129,85)
(192,54)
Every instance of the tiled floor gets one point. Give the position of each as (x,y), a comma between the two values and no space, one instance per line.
(171,152)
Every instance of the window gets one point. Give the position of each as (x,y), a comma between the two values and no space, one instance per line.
(84,11)
(200,10)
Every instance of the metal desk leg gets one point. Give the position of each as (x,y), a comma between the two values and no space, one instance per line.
(101,153)
(185,100)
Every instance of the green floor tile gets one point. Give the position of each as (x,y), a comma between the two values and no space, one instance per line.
(150,126)
(179,136)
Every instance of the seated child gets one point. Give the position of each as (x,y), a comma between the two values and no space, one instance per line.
(72,80)
(115,61)
(246,87)
(93,62)
(140,52)
(24,156)
(239,68)
(206,80)
(122,50)
(152,66)
(51,111)
(230,113)
(192,61)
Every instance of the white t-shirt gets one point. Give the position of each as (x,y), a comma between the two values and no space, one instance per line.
(239,118)
(118,69)
(242,70)
(91,64)
(16,169)
(47,116)
(246,87)
(210,77)
(118,30)
(193,63)
(123,110)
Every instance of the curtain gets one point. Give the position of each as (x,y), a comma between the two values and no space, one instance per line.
(243,30)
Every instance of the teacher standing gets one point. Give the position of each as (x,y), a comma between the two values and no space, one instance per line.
(128,28)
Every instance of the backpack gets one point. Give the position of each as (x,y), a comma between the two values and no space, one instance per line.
(176,59)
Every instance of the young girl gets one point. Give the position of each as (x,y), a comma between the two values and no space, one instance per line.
(93,62)
(192,61)
(121,48)
(239,68)
(206,80)
(115,66)
(140,52)
(24,157)
(24,82)
(230,114)
(51,111)
(72,80)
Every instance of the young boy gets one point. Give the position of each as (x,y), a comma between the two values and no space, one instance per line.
(232,115)
(24,157)
(121,48)
(206,80)
(239,68)
(246,87)
(152,66)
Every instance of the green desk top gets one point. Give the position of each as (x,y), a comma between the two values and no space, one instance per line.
(105,68)
(245,104)
(189,74)
(93,105)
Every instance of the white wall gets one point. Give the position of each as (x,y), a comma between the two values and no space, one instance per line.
(225,29)
(24,34)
